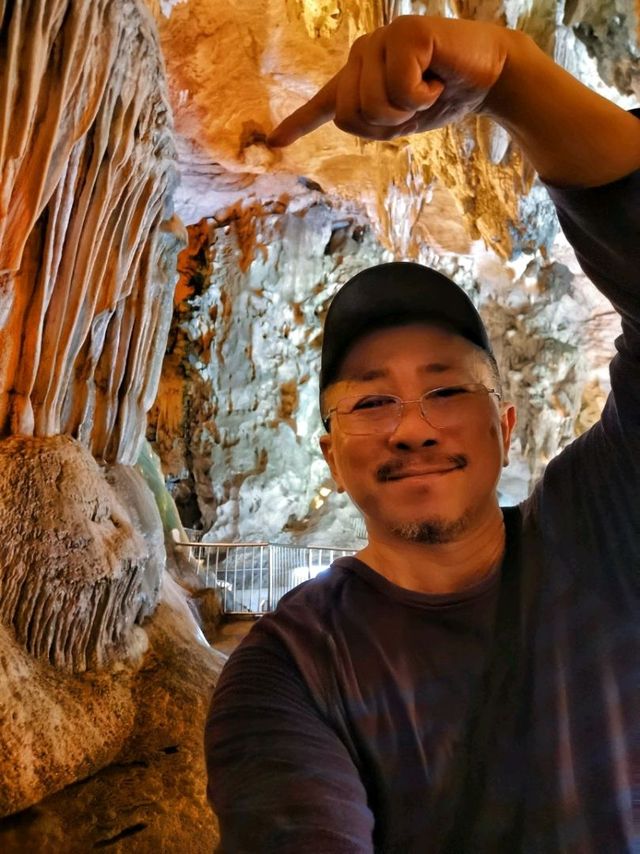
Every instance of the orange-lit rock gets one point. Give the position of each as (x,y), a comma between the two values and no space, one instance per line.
(88,245)
(87,233)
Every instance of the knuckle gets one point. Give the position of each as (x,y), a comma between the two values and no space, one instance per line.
(358,46)
(356,127)
(400,97)
(372,114)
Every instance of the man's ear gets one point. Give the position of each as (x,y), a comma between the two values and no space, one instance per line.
(326,446)
(507,423)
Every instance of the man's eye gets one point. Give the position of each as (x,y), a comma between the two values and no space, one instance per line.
(449,391)
(372,402)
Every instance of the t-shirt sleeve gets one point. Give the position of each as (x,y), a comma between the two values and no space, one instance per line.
(593,487)
(279,777)
(603,226)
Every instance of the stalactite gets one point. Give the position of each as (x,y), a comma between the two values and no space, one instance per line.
(87,237)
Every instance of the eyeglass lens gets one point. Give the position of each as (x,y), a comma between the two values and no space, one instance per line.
(447,407)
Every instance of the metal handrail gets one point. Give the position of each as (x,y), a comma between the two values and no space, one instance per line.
(225,545)
(252,577)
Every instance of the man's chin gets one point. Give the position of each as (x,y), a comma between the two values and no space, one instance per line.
(434,531)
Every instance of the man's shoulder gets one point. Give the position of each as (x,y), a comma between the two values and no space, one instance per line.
(313,605)
(299,633)
(305,613)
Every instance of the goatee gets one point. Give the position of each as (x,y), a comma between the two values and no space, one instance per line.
(432,531)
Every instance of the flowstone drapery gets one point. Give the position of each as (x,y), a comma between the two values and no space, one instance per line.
(87,235)
(103,668)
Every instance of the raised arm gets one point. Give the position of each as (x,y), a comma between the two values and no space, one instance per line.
(420,73)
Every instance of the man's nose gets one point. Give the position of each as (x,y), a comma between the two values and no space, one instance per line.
(413,430)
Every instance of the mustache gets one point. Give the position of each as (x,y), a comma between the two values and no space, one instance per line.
(395,468)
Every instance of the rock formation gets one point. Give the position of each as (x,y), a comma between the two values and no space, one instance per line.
(88,238)
(101,659)
(77,576)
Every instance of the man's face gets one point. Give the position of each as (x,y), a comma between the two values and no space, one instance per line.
(418,482)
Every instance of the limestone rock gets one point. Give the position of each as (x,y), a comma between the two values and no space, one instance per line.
(75,575)
(55,727)
(133,493)
(611,32)
(88,238)
(148,724)
(274,54)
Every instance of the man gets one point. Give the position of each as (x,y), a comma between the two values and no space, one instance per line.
(470,682)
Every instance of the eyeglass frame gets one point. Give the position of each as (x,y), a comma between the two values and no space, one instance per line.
(326,420)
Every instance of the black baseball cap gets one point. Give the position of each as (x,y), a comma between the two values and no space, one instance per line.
(390,294)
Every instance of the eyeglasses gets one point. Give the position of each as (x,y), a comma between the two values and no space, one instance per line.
(443,408)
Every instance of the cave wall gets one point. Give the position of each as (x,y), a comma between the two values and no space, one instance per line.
(243,464)
(269,56)
(87,232)
(236,422)
(105,674)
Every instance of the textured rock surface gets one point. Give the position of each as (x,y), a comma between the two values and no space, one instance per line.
(148,724)
(54,727)
(88,243)
(610,29)
(87,238)
(253,62)
(236,421)
(75,575)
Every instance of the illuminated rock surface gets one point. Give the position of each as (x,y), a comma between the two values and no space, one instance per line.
(87,238)
(141,724)
(87,269)
(77,576)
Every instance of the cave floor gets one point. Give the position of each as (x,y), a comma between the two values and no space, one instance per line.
(231,632)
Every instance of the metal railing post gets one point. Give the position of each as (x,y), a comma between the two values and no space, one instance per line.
(270,581)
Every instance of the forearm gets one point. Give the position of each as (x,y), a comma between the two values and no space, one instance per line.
(280,779)
(571,135)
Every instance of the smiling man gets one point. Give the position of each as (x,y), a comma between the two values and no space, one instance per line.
(420,431)
(470,681)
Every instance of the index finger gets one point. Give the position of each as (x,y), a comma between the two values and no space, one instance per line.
(316,112)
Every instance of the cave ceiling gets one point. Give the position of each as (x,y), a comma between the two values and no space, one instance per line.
(237,68)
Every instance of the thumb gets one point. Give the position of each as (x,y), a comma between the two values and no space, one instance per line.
(429,90)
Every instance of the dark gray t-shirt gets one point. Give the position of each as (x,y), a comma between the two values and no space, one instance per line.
(339,725)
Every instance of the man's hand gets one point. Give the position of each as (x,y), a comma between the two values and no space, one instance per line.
(413,75)
(421,73)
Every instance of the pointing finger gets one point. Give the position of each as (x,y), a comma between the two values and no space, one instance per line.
(316,112)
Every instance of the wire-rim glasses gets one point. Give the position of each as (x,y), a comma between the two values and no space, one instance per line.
(442,408)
